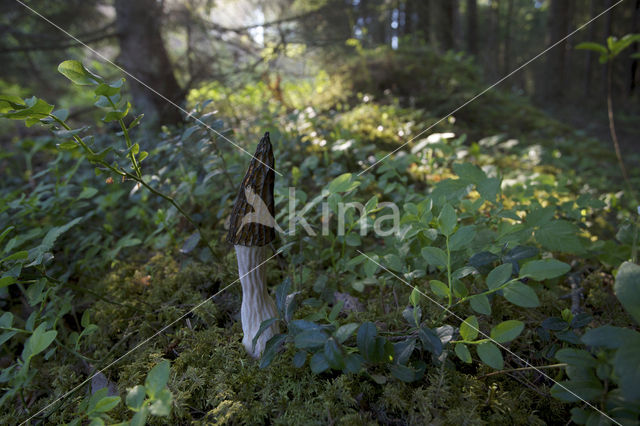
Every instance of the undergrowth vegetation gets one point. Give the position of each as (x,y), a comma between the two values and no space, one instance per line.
(515,249)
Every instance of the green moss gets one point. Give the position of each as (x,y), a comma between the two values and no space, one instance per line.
(214,381)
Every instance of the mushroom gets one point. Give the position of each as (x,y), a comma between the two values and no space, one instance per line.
(251,228)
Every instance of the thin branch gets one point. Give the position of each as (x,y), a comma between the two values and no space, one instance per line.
(58,46)
(523,369)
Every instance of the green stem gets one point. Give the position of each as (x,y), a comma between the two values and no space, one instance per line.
(511,370)
(76,138)
(487,292)
(138,179)
(614,136)
(634,247)
(127,139)
(467,342)
(79,355)
(174,203)
(449,274)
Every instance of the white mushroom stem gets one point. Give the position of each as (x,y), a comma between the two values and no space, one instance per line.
(257,305)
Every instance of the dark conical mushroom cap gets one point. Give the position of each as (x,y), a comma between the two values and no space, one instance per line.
(260,178)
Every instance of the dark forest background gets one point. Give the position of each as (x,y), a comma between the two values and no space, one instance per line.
(175,46)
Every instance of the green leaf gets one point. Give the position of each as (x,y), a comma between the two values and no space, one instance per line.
(19,255)
(77,73)
(609,336)
(135,122)
(462,238)
(627,368)
(342,183)
(15,102)
(157,378)
(162,404)
(463,352)
(507,331)
(335,311)
(414,298)
(67,146)
(576,358)
(107,403)
(439,288)
(540,216)
(140,418)
(345,331)
(469,329)
(309,339)
(447,220)
(105,89)
(333,354)
(627,288)
(596,47)
(85,321)
(37,253)
(6,320)
(318,363)
(117,114)
(6,232)
(403,373)
(271,349)
(36,109)
(87,192)
(489,188)
(299,359)
(521,294)
(264,325)
(460,289)
(469,172)
(480,304)
(430,340)
(104,102)
(434,256)
(560,235)
(40,339)
(135,397)
(7,281)
(499,275)
(353,363)
(353,239)
(393,261)
(190,243)
(366,339)
(576,390)
(545,269)
(490,355)
(372,204)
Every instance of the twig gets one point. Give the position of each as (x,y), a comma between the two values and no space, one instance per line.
(523,369)
(614,136)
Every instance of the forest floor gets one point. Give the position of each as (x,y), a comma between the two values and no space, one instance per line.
(513,220)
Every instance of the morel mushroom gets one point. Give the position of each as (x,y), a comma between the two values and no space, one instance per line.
(251,228)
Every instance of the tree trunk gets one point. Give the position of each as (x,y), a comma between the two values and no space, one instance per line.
(555,65)
(142,53)
(493,41)
(590,57)
(409,10)
(423,23)
(608,19)
(472,27)
(633,66)
(443,22)
(506,60)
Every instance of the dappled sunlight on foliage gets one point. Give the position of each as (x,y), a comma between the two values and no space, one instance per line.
(436,265)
